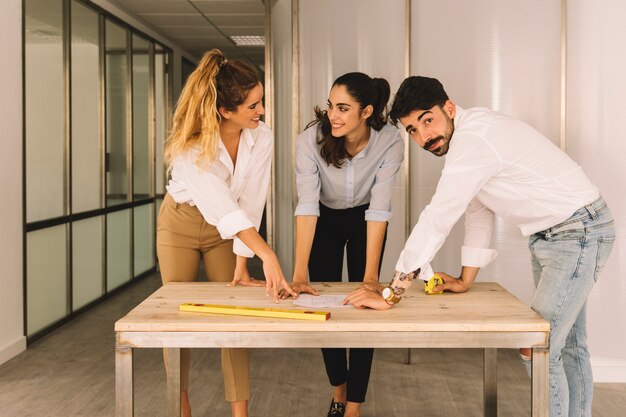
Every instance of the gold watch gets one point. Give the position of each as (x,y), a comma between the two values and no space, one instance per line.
(390,296)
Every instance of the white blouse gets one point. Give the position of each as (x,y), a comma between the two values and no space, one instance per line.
(368,177)
(230,197)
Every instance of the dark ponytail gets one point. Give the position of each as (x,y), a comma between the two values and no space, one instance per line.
(364,90)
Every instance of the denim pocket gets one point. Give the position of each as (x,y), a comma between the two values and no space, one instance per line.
(605,246)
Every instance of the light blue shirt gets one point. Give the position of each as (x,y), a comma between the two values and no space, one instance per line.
(368,177)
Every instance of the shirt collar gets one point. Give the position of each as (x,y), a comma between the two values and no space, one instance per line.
(374,134)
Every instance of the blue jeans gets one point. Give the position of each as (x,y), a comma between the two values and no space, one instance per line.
(566,261)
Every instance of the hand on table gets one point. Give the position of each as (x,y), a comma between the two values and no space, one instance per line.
(244,278)
(274,279)
(298,288)
(451,283)
(363,297)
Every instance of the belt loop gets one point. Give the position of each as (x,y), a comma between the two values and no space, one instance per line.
(592,211)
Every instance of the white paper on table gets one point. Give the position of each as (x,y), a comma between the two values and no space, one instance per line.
(323,301)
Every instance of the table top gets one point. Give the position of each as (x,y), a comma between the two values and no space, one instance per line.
(487,307)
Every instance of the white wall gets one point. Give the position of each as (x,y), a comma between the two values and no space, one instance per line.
(12,340)
(596,140)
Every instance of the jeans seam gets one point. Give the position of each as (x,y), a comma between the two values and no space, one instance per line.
(579,373)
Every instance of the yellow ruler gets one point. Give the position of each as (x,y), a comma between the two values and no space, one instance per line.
(285,313)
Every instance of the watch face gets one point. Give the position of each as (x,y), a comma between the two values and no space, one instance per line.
(387,293)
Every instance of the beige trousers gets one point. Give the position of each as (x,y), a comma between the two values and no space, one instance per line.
(182,237)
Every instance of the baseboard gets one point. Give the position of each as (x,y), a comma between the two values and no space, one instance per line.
(608,369)
(12,349)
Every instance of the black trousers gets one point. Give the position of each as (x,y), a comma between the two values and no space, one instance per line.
(336,230)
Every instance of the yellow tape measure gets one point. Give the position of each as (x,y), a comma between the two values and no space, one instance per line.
(284,313)
(430,284)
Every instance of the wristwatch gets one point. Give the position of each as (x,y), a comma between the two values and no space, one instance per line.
(390,296)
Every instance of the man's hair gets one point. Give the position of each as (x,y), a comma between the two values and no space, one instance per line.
(417,93)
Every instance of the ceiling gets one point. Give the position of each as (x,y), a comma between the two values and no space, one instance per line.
(197,26)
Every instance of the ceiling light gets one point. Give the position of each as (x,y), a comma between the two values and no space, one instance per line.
(248,40)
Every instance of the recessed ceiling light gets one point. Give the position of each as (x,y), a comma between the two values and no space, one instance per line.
(248,40)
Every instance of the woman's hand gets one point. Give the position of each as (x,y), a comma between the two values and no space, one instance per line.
(451,283)
(298,288)
(274,278)
(242,277)
(363,297)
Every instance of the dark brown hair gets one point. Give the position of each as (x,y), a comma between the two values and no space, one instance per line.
(364,90)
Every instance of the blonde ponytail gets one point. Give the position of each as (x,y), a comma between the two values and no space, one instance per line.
(196,119)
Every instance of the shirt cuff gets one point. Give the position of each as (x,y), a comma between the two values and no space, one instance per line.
(240,248)
(426,273)
(477,257)
(233,223)
(377,215)
(307,209)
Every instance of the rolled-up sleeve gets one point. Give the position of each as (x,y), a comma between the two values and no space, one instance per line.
(478,230)
(382,189)
(213,198)
(307,175)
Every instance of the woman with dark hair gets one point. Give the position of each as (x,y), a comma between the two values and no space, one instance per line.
(218,156)
(346,165)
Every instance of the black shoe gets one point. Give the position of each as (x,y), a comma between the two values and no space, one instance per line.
(336,409)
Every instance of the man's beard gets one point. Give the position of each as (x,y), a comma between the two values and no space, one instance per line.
(445,145)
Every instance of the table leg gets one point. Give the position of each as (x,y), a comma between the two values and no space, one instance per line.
(408,356)
(540,386)
(124,381)
(173,382)
(490,382)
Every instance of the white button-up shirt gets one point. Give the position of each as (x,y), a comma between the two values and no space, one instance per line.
(230,197)
(368,177)
(495,164)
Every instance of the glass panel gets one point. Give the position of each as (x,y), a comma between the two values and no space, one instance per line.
(141,149)
(118,249)
(116,114)
(46,277)
(160,98)
(86,177)
(45,115)
(87,258)
(144,238)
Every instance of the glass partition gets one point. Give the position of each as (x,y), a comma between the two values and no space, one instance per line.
(118,248)
(116,59)
(91,121)
(160,104)
(141,115)
(87,261)
(85,85)
(45,109)
(47,277)
(143,220)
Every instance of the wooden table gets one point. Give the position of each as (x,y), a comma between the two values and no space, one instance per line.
(486,317)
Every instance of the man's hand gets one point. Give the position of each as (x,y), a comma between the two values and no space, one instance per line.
(363,297)
(298,288)
(451,283)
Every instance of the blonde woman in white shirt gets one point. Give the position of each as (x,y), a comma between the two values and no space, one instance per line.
(219,155)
